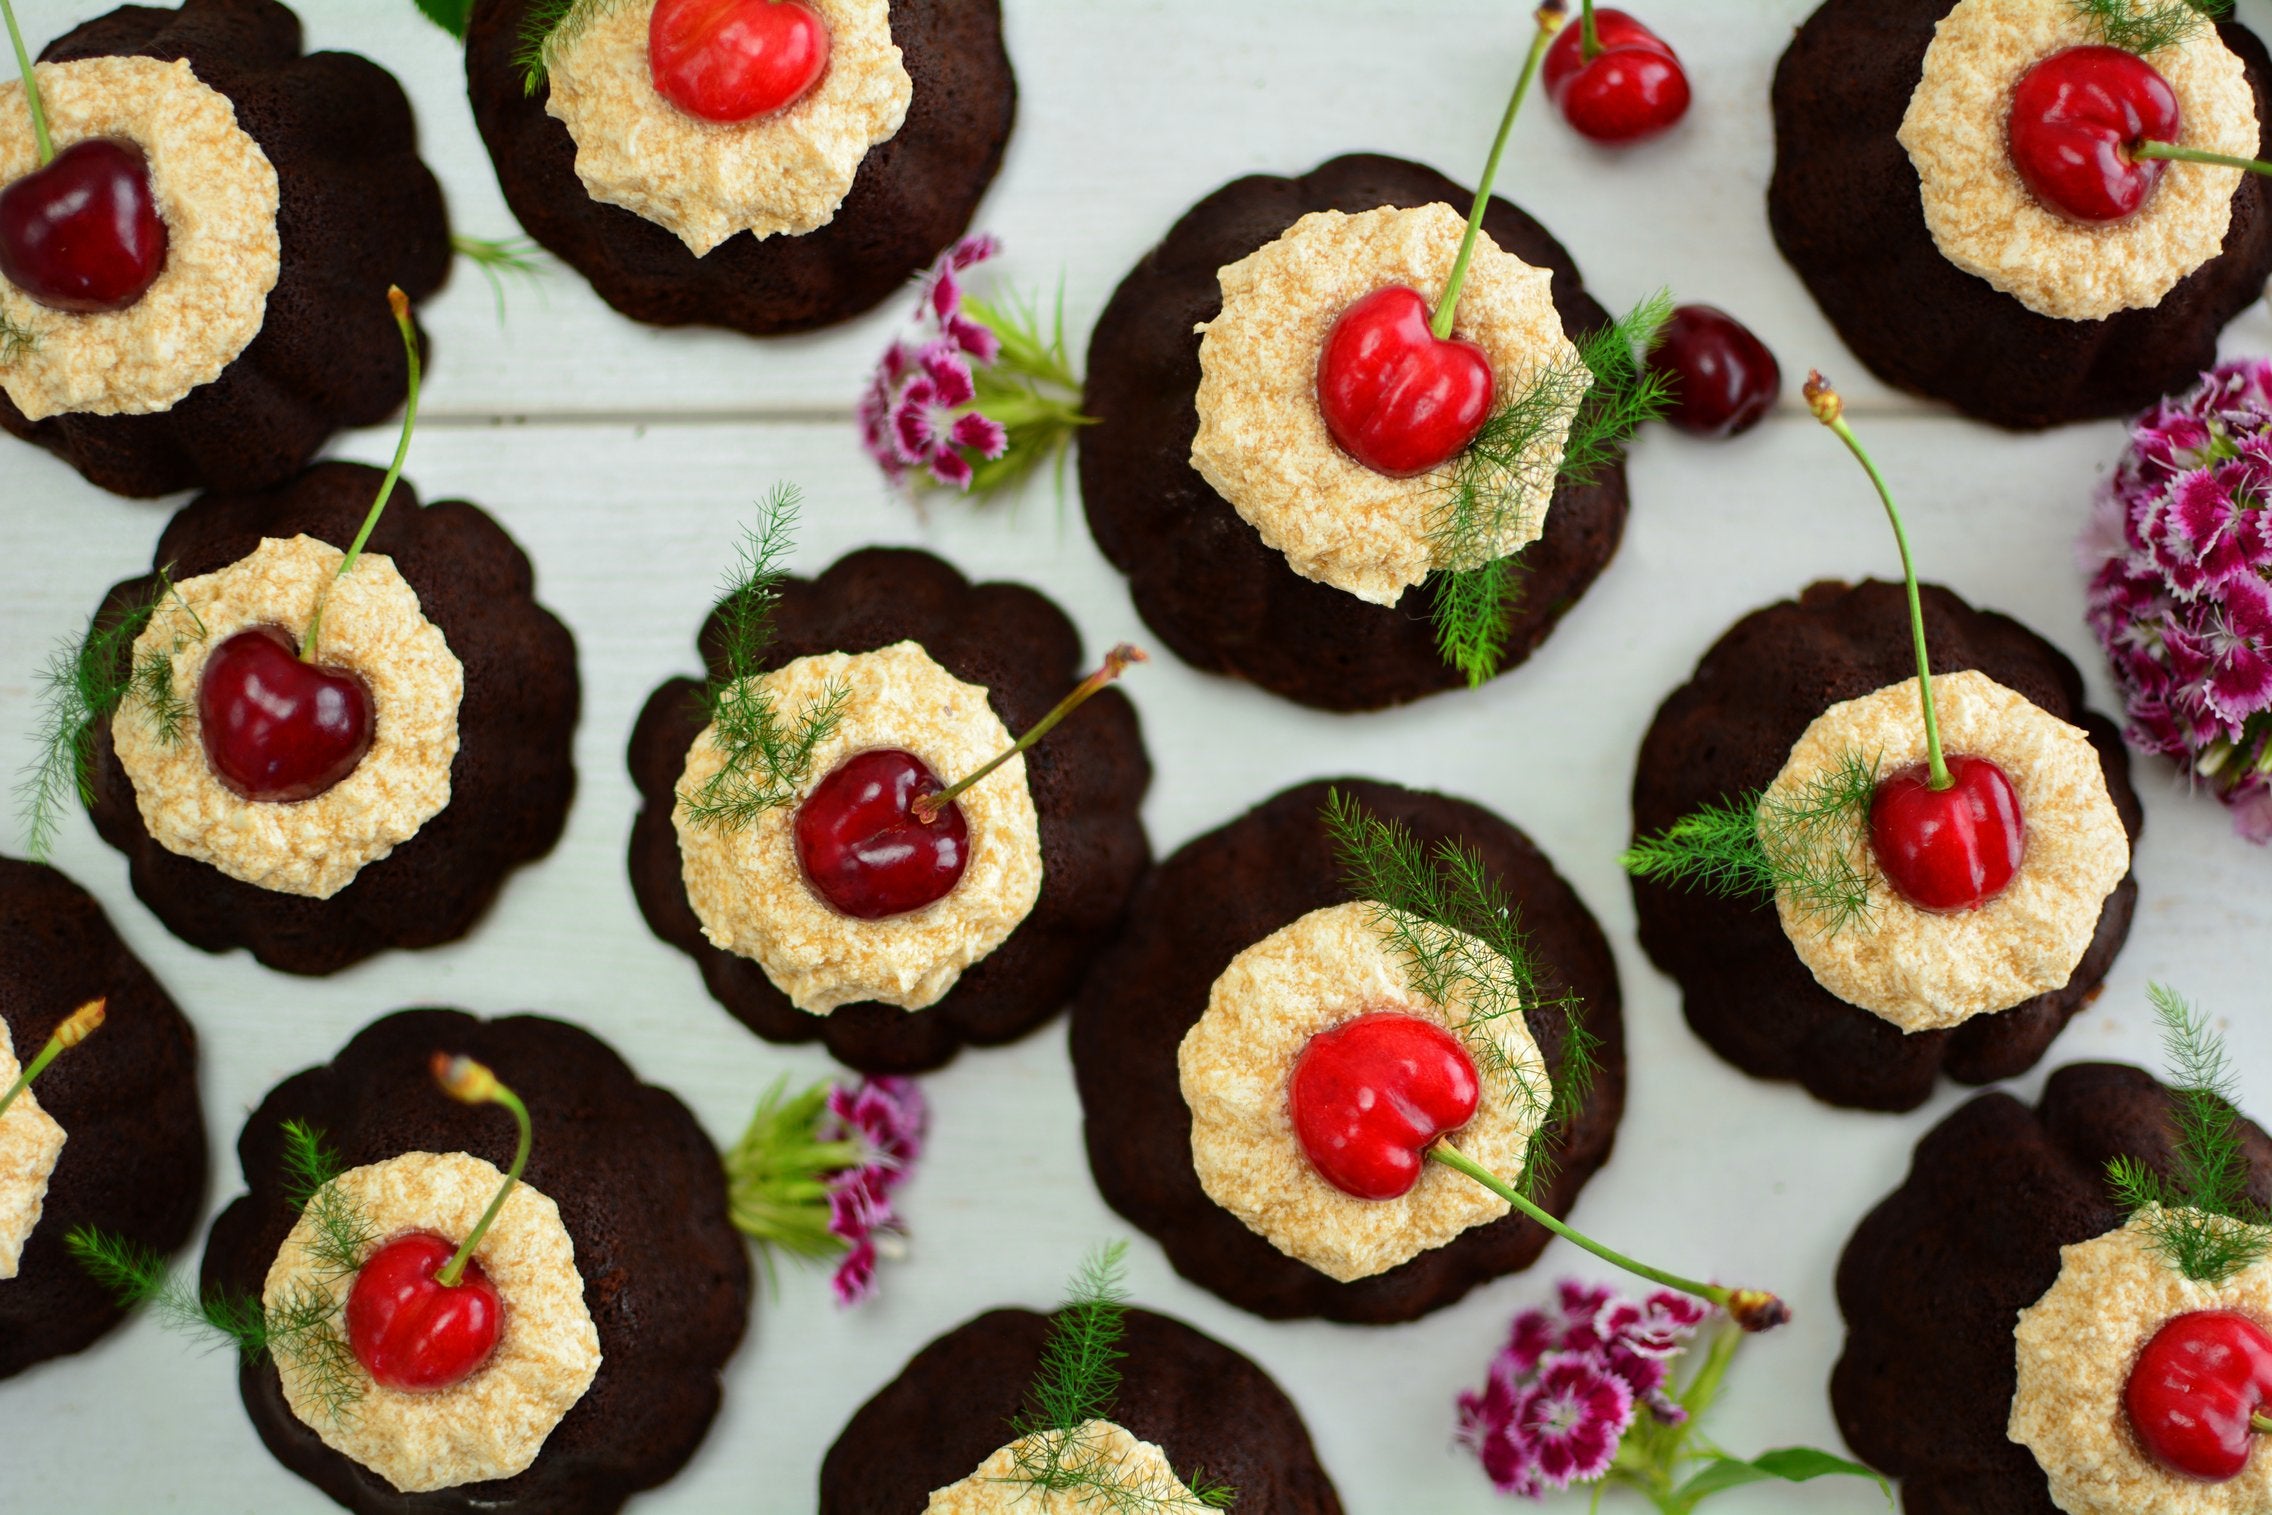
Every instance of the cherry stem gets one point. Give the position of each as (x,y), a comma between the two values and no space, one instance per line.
(2175,154)
(1115,663)
(2260,1423)
(31,92)
(399,303)
(1589,39)
(1752,1309)
(1830,410)
(472,1083)
(76,1028)
(1549,18)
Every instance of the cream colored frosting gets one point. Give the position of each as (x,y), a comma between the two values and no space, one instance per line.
(1983,216)
(31,1142)
(371,625)
(2075,1347)
(1923,971)
(1236,1062)
(493,1424)
(751,894)
(1101,1449)
(1262,442)
(217,193)
(782,174)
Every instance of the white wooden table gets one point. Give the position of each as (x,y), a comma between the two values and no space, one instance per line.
(623,459)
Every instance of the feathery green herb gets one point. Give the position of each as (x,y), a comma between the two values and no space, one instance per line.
(16,341)
(2148,26)
(501,258)
(450,15)
(777,1176)
(549,26)
(344,1235)
(2202,1219)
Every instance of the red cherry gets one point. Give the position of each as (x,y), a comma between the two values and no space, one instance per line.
(1398,398)
(735,60)
(1370,1095)
(864,848)
(1632,87)
(2195,1389)
(277,728)
(83,233)
(1952,849)
(2076,116)
(1723,378)
(413,1333)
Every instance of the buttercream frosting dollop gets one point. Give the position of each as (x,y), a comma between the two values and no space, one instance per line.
(1104,1449)
(31,1143)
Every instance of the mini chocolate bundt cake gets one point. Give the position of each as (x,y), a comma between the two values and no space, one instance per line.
(133,1159)
(950,1409)
(914,194)
(1201,576)
(1935,1278)
(359,212)
(1728,731)
(509,785)
(1087,779)
(1219,895)
(1845,208)
(639,1188)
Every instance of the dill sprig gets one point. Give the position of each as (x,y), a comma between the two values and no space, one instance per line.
(500,258)
(1807,845)
(450,15)
(15,341)
(766,757)
(2201,1218)
(344,1234)
(1461,939)
(549,26)
(2147,26)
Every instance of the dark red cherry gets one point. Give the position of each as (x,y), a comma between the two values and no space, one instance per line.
(1945,850)
(83,234)
(1396,397)
(866,850)
(1632,88)
(410,1331)
(2198,1393)
(735,60)
(276,728)
(1369,1096)
(1723,378)
(2075,117)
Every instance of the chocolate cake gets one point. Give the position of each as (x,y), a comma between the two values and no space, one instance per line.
(1202,578)
(509,786)
(1221,894)
(950,1409)
(640,1189)
(1087,778)
(1728,731)
(133,1160)
(1934,1279)
(359,212)
(914,195)
(1846,211)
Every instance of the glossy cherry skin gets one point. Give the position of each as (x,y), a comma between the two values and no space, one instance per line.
(83,234)
(1632,88)
(2193,1390)
(1396,397)
(412,1334)
(1370,1095)
(863,847)
(1946,850)
(1723,378)
(276,728)
(735,60)
(2075,117)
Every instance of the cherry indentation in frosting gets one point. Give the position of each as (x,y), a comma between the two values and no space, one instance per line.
(1632,87)
(413,1333)
(735,60)
(277,728)
(864,846)
(1396,397)
(1369,1097)
(2196,1397)
(2075,118)
(1953,849)
(83,233)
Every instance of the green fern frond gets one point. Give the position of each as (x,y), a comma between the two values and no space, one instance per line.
(450,15)
(549,26)
(137,1277)
(344,1234)
(1626,393)
(2147,26)
(16,341)
(501,258)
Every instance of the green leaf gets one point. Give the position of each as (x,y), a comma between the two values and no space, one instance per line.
(1789,1464)
(450,15)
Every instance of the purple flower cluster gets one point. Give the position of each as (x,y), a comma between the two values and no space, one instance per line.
(1566,1387)
(915,418)
(2180,552)
(886,1117)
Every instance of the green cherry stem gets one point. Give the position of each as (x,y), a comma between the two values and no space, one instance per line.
(1831,412)
(399,304)
(1549,18)
(32,103)
(1752,1309)
(1589,39)
(471,1083)
(76,1028)
(2171,152)
(1115,663)
(2260,1423)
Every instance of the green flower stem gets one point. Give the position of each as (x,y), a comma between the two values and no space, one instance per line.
(76,1028)
(1589,39)
(1831,412)
(1115,662)
(468,1082)
(1549,22)
(399,304)
(31,88)
(2171,152)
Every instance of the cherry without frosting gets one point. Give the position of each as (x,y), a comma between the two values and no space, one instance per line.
(1953,849)
(1396,397)
(1370,1096)
(1724,380)
(868,849)
(82,233)
(2076,121)
(1622,85)
(2197,1395)
(276,728)
(735,60)
(413,1333)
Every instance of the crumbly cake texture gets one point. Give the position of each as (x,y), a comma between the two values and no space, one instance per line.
(1923,971)
(372,625)
(752,897)
(30,1143)
(218,195)
(1980,211)
(1262,442)
(1104,1447)
(782,174)
(2075,1348)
